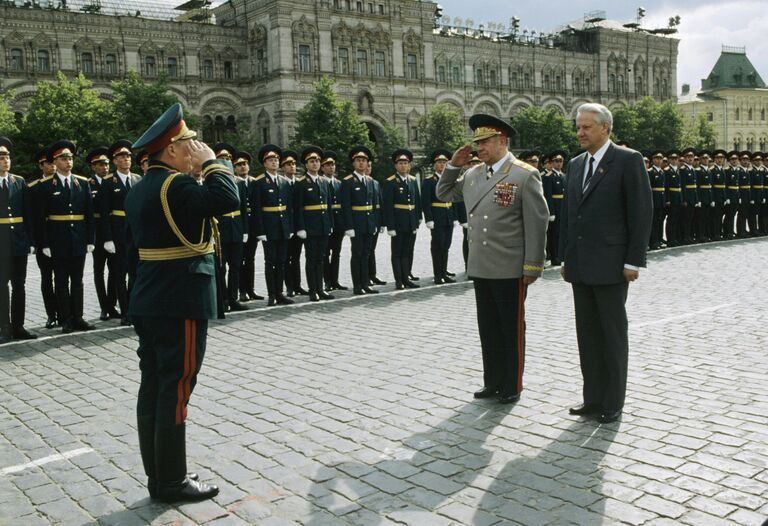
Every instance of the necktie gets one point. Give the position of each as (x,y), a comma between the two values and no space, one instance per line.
(5,185)
(589,172)
(127,183)
(66,183)
(490,172)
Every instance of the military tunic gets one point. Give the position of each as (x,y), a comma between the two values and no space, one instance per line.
(16,238)
(313,214)
(401,210)
(358,198)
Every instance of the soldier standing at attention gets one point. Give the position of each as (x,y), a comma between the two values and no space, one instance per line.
(657,178)
(762,202)
(706,198)
(743,218)
(16,238)
(439,217)
(715,227)
(508,219)
(757,180)
(690,198)
(333,255)
(293,265)
(170,218)
(373,279)
(248,266)
(674,200)
(401,212)
(557,192)
(66,210)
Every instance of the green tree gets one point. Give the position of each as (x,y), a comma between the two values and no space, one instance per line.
(545,129)
(65,109)
(442,127)
(699,133)
(391,140)
(137,104)
(649,125)
(8,127)
(331,124)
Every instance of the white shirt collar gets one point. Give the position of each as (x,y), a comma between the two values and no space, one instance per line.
(359,176)
(497,166)
(123,177)
(272,176)
(64,178)
(598,154)
(6,177)
(312,178)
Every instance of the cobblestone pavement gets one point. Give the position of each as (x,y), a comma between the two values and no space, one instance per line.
(312,415)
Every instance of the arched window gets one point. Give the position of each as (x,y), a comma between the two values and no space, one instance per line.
(456,74)
(87,63)
(305,59)
(479,78)
(43,60)
(612,83)
(150,68)
(173,67)
(110,64)
(738,113)
(412,71)
(362,63)
(620,84)
(380,64)
(208,68)
(492,78)
(749,118)
(441,73)
(17,60)
(228,71)
(343,67)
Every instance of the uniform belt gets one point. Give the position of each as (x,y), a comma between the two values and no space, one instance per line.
(97,215)
(705,186)
(66,217)
(168,254)
(118,213)
(557,196)
(719,186)
(758,186)
(745,186)
(690,186)
(658,188)
(362,208)
(336,206)
(442,205)
(11,220)
(315,207)
(675,190)
(281,208)
(406,207)
(733,188)
(232,214)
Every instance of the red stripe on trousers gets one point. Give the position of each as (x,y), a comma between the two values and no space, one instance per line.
(180,390)
(520,334)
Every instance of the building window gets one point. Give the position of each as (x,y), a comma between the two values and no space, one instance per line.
(336,4)
(381,9)
(738,114)
(577,85)
(173,67)
(228,71)
(547,86)
(360,7)
(412,65)
(17,60)
(513,79)
(362,63)
(710,116)
(348,4)
(527,81)
(380,64)
(87,62)
(305,62)
(441,73)
(558,83)
(43,60)
(620,84)
(343,61)
(370,8)
(612,83)
(587,85)
(414,133)
(265,135)
(150,69)
(492,79)
(749,115)
(639,86)
(479,78)
(110,64)
(456,73)
(208,68)
(261,63)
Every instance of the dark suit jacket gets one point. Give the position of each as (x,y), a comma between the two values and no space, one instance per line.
(608,225)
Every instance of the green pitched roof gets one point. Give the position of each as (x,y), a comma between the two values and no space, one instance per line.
(732,70)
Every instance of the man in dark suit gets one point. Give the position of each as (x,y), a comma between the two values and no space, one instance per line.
(169,218)
(606,223)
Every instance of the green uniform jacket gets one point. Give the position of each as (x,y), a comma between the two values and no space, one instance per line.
(177,288)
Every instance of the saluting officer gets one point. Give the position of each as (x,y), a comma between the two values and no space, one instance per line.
(16,238)
(248,267)
(66,209)
(313,219)
(706,197)
(715,227)
(690,199)
(439,217)
(333,254)
(674,199)
(170,225)
(272,221)
(143,159)
(556,192)
(461,210)
(402,211)
(659,192)
(113,193)
(98,158)
(357,205)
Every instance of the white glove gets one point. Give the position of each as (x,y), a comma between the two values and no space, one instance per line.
(430,224)
(419,222)
(245,238)
(109,246)
(712,204)
(727,201)
(391,233)
(698,205)
(290,236)
(382,229)
(262,238)
(47,252)
(752,201)
(763,200)
(350,233)
(551,219)
(453,223)
(414,231)
(31,250)
(302,234)
(89,248)
(464,226)
(739,200)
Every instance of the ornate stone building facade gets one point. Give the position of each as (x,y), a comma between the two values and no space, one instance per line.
(255,66)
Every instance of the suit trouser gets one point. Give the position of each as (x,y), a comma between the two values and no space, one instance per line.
(439,246)
(553,240)
(401,255)
(118,272)
(105,292)
(715,222)
(753,218)
(741,218)
(333,257)
(601,331)
(728,220)
(465,246)
(501,324)
(764,218)
(656,227)
(372,257)
(293,265)
(701,216)
(315,248)
(673,225)
(231,259)
(46,285)
(686,230)
(13,270)
(275,257)
(361,251)
(68,279)
(412,249)
(248,265)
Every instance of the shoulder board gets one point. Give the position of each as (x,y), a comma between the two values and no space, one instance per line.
(299,179)
(80,177)
(259,178)
(411,178)
(17,177)
(251,178)
(391,178)
(521,164)
(347,178)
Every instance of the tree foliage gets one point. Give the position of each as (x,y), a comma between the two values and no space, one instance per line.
(699,133)
(650,125)
(136,105)
(544,129)
(8,127)
(442,127)
(391,140)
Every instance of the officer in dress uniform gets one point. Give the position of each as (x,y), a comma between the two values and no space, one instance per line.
(66,210)
(690,199)
(715,227)
(759,160)
(333,254)
(233,233)
(142,158)
(373,279)
(439,217)
(16,238)
(743,217)
(706,197)
(313,219)
(557,191)
(357,204)
(401,210)
(659,192)
(508,219)
(674,199)
(112,223)
(44,263)
(272,221)
(732,193)
(242,163)
(98,159)
(293,286)
(757,179)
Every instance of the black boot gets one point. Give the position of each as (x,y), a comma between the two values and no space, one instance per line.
(173,483)
(78,323)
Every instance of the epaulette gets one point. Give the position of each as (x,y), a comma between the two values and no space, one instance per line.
(347,178)
(17,176)
(80,177)
(299,179)
(411,177)
(521,164)
(250,178)
(259,178)
(41,180)
(391,178)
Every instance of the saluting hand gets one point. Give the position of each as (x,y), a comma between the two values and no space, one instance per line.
(200,153)
(462,156)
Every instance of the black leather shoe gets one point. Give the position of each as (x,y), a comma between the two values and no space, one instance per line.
(113,314)
(585,409)
(290,294)
(301,292)
(4,339)
(448,279)
(359,292)
(313,296)
(509,398)
(243,297)
(50,323)
(399,286)
(236,306)
(412,277)
(439,281)
(253,296)
(325,296)
(369,290)
(104,316)
(410,285)
(152,484)
(606,417)
(82,325)
(282,300)
(486,392)
(23,334)
(377,281)
(66,328)
(450,274)
(187,490)
(125,321)
(271,302)
(338,286)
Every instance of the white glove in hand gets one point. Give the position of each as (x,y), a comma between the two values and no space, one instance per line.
(350,233)
(465,225)
(391,233)
(89,248)
(109,246)
(261,238)
(382,229)
(245,238)
(414,231)
(551,219)
(712,204)
(727,201)
(47,252)
(430,224)
(302,234)
(31,250)
(290,236)
(752,201)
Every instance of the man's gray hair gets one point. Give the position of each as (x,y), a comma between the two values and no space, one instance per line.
(602,114)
